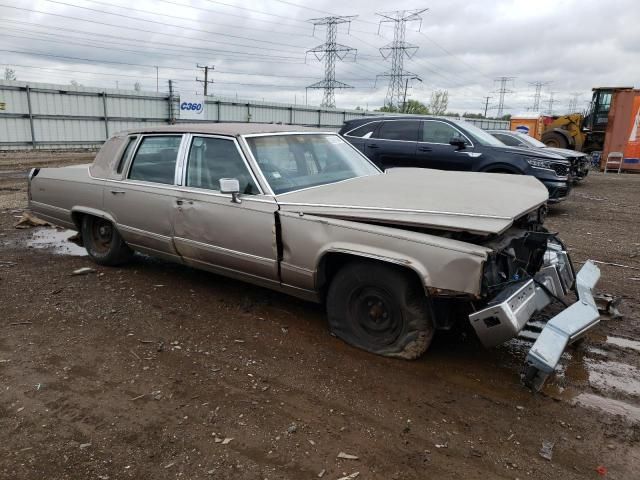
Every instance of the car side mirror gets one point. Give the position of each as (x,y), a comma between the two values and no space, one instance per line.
(232,186)
(458,142)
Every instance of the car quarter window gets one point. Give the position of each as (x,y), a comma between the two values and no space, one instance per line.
(364,131)
(155,159)
(440,132)
(211,159)
(406,130)
(131,141)
(509,140)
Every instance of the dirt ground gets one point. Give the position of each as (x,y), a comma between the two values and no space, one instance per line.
(160,371)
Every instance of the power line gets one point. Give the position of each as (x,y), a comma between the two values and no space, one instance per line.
(331,51)
(396,51)
(164,24)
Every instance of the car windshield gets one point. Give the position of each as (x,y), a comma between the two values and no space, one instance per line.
(481,137)
(531,141)
(295,161)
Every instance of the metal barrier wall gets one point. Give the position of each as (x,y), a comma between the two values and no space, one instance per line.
(49,116)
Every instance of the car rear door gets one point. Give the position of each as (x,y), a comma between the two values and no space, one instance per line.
(434,150)
(394,143)
(142,203)
(210,230)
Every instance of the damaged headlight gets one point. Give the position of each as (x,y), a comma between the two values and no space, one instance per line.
(539,163)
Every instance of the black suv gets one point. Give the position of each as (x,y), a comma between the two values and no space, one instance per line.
(411,141)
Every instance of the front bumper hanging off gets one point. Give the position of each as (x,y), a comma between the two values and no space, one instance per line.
(512,308)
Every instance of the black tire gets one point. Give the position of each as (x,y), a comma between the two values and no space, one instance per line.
(103,242)
(555,140)
(381,309)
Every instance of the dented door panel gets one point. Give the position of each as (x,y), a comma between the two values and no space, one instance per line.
(210,229)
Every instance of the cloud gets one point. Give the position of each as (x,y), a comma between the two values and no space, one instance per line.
(258,48)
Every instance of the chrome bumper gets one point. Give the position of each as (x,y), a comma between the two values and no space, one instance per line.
(510,310)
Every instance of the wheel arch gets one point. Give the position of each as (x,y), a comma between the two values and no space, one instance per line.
(333,259)
(77,214)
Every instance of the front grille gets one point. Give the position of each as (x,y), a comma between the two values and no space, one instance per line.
(561,169)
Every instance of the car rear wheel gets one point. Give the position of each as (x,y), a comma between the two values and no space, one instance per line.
(381,309)
(103,242)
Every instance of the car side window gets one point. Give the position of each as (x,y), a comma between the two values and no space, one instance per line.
(131,141)
(439,132)
(509,140)
(211,159)
(406,130)
(155,159)
(364,131)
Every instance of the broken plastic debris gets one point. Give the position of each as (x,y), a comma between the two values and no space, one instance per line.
(347,456)
(83,271)
(546,451)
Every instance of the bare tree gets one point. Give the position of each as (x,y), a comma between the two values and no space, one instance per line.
(9,74)
(137,86)
(439,102)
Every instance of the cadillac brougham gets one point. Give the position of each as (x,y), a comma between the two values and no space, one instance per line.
(394,256)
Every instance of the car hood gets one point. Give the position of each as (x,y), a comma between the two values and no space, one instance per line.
(565,152)
(483,203)
(532,152)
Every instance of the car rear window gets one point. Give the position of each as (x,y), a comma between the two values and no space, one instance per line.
(364,131)
(155,159)
(399,130)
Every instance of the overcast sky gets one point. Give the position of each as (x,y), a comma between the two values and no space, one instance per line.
(258,47)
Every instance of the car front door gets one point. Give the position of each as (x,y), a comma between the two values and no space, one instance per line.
(394,144)
(434,150)
(142,203)
(212,231)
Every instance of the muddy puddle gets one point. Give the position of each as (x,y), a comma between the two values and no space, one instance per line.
(55,240)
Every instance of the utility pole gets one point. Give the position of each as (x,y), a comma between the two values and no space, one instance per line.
(329,51)
(502,91)
(551,102)
(172,120)
(206,80)
(537,95)
(157,83)
(486,105)
(396,51)
(406,85)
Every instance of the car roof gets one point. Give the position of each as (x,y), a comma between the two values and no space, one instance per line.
(231,129)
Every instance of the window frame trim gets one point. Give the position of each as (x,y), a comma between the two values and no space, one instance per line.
(185,164)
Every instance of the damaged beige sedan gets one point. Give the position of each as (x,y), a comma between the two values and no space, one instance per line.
(394,255)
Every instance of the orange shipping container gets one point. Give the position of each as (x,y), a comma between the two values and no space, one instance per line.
(623,129)
(531,124)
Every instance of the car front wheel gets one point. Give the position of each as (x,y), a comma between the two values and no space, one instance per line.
(381,309)
(103,242)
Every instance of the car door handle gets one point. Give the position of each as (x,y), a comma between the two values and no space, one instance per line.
(372,146)
(116,192)
(424,149)
(182,202)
